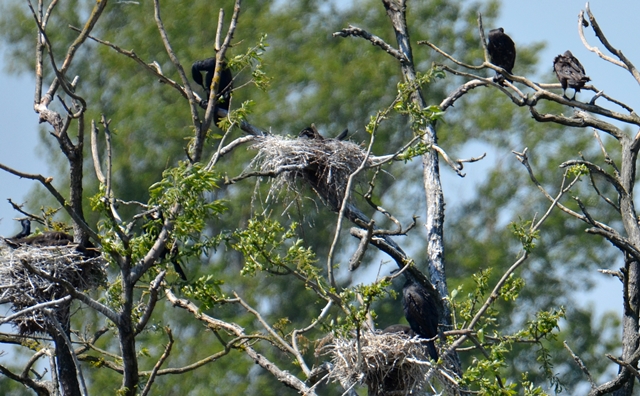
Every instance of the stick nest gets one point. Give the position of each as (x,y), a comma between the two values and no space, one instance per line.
(391,364)
(325,164)
(24,288)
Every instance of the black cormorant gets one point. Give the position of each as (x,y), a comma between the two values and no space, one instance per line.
(48,238)
(310,132)
(502,51)
(570,72)
(26,229)
(223,95)
(343,135)
(420,309)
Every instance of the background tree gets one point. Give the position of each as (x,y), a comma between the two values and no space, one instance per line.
(308,87)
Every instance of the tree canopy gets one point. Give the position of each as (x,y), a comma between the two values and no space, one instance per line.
(289,245)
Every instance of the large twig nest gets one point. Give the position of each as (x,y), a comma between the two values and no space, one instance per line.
(325,164)
(388,364)
(23,285)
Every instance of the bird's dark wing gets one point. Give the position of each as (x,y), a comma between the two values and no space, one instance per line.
(577,65)
(310,132)
(560,67)
(223,94)
(502,50)
(26,229)
(178,268)
(343,134)
(205,65)
(53,238)
(420,311)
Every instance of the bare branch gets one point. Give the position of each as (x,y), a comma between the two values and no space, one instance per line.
(46,182)
(153,299)
(36,307)
(596,29)
(52,317)
(156,367)
(220,55)
(375,40)
(282,376)
(580,364)
(614,181)
(95,153)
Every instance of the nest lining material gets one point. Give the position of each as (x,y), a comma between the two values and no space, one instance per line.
(388,360)
(23,288)
(325,164)
(390,364)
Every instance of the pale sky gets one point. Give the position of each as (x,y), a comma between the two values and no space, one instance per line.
(551,21)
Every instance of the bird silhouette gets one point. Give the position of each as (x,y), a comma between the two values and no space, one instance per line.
(223,94)
(420,309)
(311,132)
(570,73)
(48,238)
(26,229)
(502,52)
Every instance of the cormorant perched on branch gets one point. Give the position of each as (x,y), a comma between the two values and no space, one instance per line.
(570,73)
(502,52)
(420,309)
(223,95)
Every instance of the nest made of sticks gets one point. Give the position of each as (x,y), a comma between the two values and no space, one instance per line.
(387,363)
(325,164)
(23,285)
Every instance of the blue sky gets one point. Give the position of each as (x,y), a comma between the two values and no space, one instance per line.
(551,21)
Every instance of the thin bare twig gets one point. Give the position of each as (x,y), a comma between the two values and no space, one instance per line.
(156,367)
(375,40)
(580,364)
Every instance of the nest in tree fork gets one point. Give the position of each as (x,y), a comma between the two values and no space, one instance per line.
(23,287)
(324,164)
(388,364)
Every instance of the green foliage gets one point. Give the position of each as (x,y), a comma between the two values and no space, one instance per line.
(206,290)
(184,186)
(267,246)
(302,76)
(578,170)
(357,302)
(252,59)
(420,117)
(523,231)
(486,370)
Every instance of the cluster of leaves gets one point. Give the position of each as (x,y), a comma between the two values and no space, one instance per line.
(485,370)
(267,246)
(420,117)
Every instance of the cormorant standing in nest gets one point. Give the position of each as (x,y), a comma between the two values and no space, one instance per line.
(570,73)
(420,309)
(502,52)
(26,229)
(48,238)
(311,132)
(223,95)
